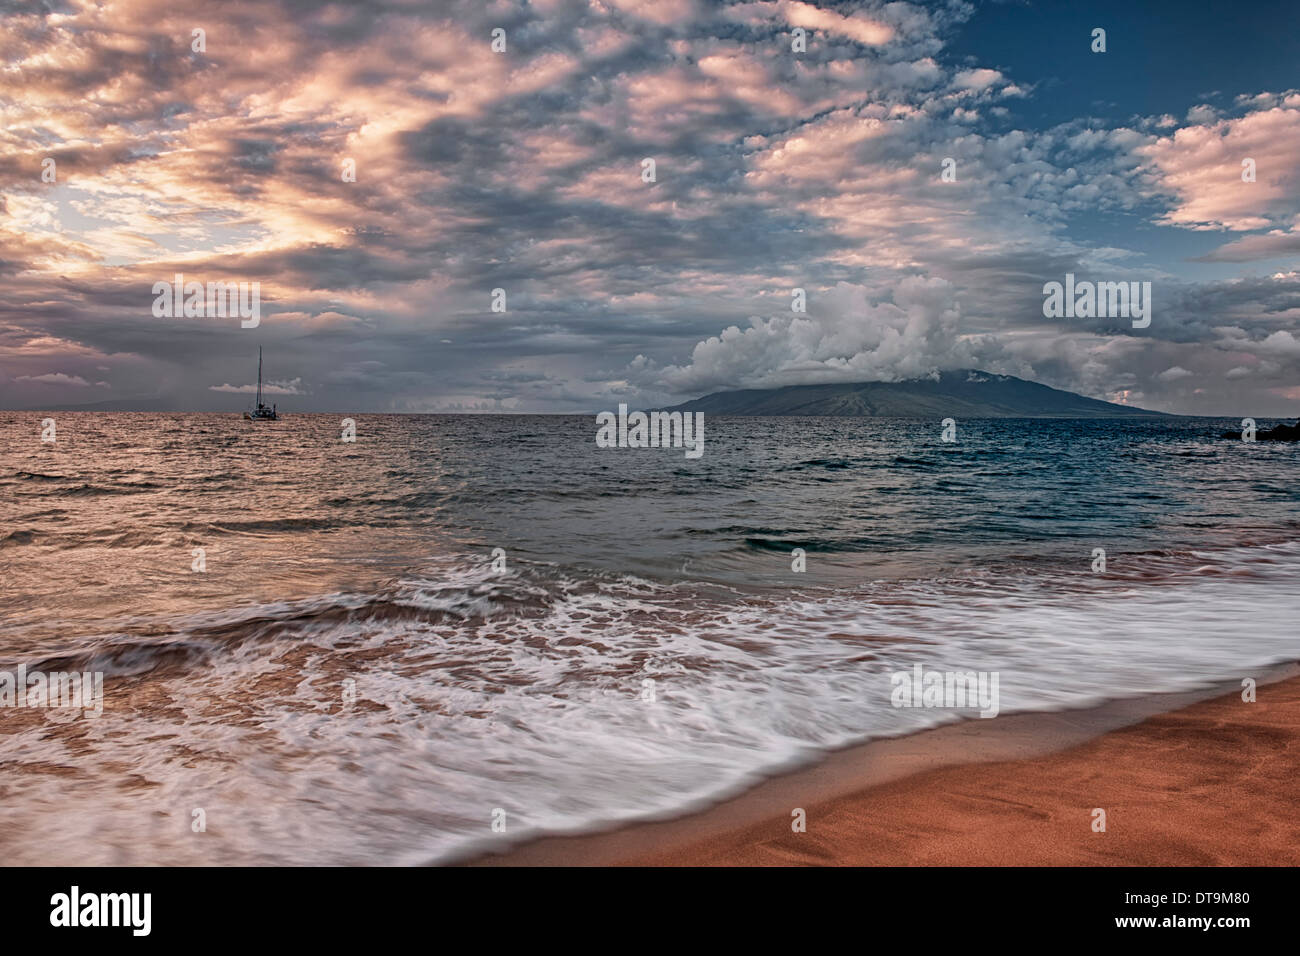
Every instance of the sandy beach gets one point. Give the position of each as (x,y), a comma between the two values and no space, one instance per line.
(1183,779)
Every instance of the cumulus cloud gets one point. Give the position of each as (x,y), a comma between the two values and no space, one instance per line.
(842,338)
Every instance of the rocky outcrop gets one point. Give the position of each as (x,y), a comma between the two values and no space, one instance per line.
(1279,433)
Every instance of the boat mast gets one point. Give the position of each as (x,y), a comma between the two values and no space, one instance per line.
(259,376)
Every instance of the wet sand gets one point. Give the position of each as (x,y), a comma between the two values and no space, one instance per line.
(1185,779)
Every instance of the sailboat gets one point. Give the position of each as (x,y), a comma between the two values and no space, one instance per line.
(262,413)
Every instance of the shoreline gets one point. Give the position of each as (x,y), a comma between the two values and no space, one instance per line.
(1191,778)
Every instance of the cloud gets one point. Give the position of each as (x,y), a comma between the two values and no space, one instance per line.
(1201,167)
(856,27)
(268,388)
(842,338)
(522,171)
(58,378)
(1272,245)
(978,80)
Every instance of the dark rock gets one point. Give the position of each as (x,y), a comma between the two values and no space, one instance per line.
(1279,433)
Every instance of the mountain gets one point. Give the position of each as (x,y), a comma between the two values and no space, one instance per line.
(967,393)
(112,405)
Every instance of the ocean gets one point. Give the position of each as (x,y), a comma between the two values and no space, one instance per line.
(323,652)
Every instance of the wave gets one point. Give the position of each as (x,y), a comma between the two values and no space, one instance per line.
(265,525)
(577,699)
(467,592)
(86,490)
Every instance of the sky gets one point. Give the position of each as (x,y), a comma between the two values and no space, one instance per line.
(794,146)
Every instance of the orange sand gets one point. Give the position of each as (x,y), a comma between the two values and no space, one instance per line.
(1214,783)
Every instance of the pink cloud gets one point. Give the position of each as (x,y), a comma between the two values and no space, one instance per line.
(854,26)
(1201,166)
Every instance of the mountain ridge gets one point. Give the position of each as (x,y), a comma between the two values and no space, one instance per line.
(969,393)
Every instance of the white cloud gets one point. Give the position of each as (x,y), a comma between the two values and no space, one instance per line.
(977,80)
(268,388)
(854,26)
(58,378)
(842,338)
